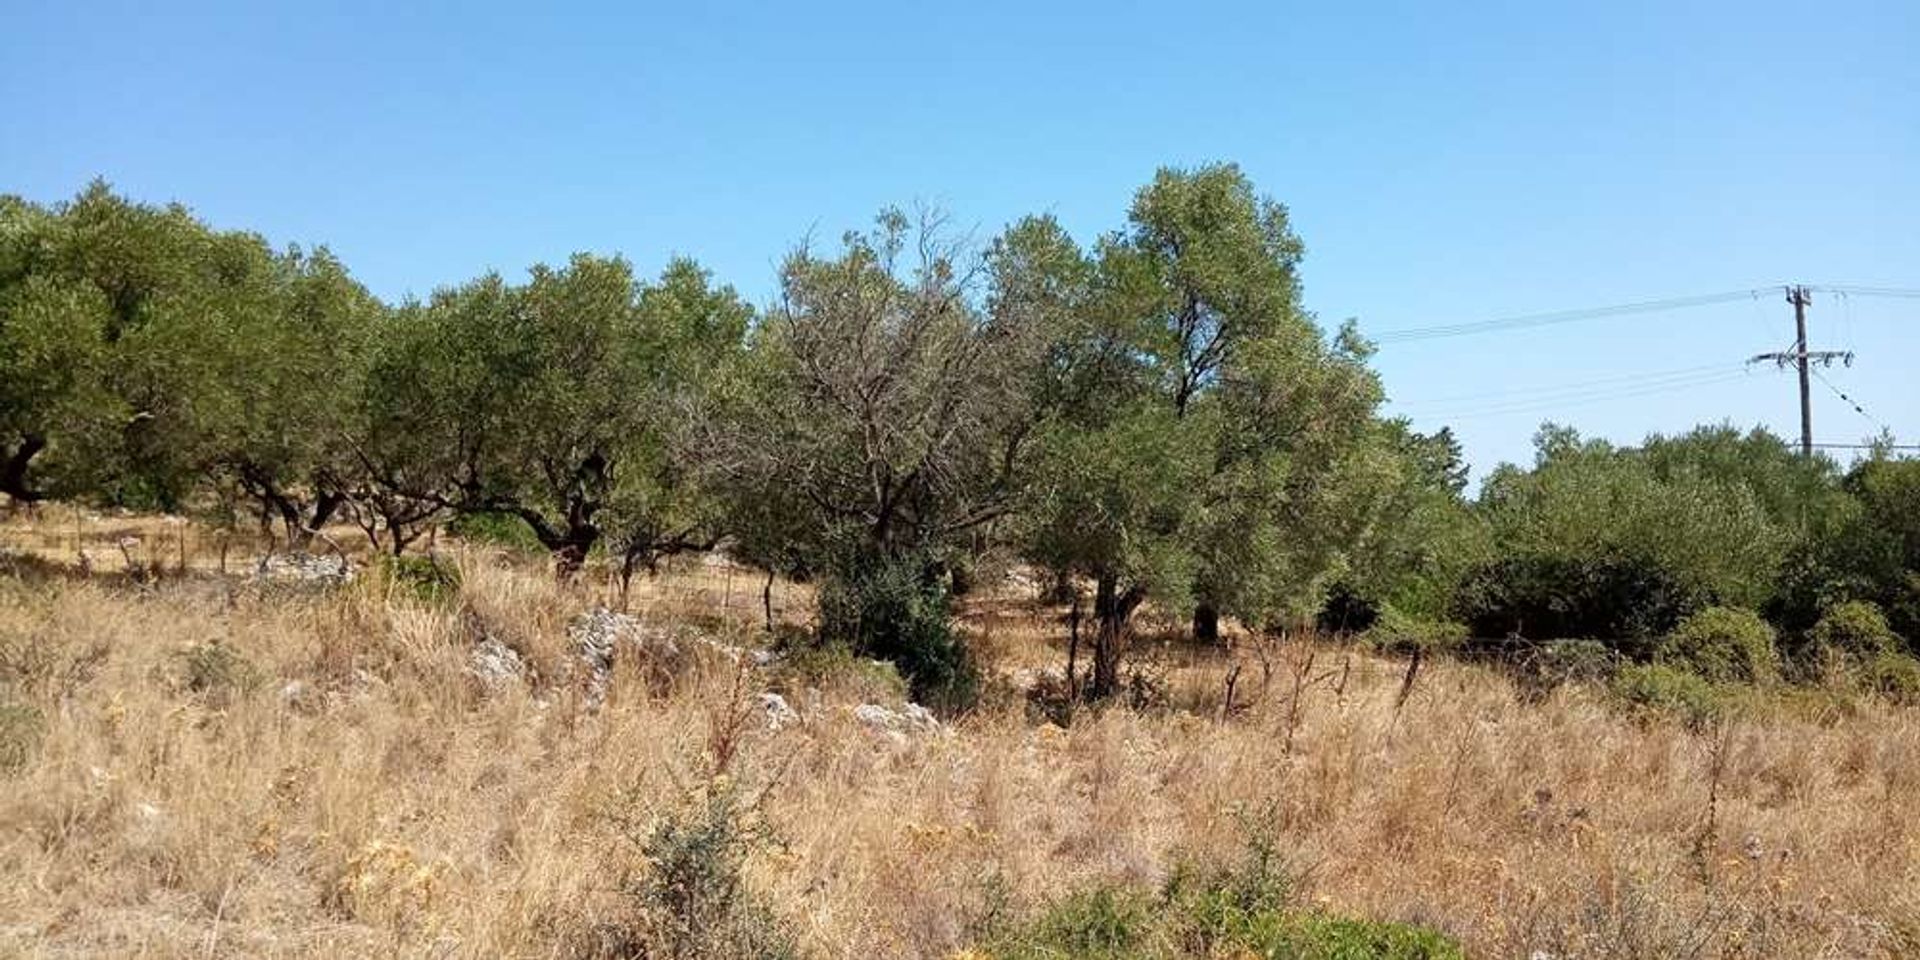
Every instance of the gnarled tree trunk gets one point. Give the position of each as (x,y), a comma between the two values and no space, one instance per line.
(1206,623)
(300,532)
(570,550)
(1112,613)
(13,469)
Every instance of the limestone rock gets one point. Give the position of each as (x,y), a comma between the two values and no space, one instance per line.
(495,663)
(304,568)
(777,712)
(911,719)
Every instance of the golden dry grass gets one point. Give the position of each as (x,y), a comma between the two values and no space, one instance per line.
(389,803)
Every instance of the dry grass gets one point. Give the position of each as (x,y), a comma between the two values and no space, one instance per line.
(387,803)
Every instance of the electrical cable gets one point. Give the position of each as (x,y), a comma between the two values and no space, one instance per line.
(1547,391)
(1866,291)
(1591,397)
(1528,321)
(1855,404)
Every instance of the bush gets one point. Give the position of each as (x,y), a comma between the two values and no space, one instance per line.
(1346,610)
(1894,676)
(1396,632)
(1540,669)
(1658,689)
(498,529)
(692,903)
(1854,628)
(216,672)
(1722,644)
(894,610)
(1622,544)
(1244,909)
(1325,937)
(836,668)
(1623,601)
(424,577)
(1118,925)
(1104,924)
(21,727)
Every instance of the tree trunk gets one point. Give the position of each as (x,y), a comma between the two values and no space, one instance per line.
(628,562)
(13,473)
(1112,610)
(571,554)
(766,599)
(1206,623)
(959,580)
(570,543)
(1073,650)
(1406,682)
(300,534)
(289,519)
(1062,589)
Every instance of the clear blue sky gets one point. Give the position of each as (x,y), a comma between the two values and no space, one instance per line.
(1443,163)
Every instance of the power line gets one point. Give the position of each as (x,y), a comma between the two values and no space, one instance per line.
(1548,391)
(1548,397)
(1855,404)
(1528,321)
(1558,317)
(1586,399)
(1856,290)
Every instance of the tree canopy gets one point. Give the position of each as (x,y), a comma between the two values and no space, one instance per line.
(1153,419)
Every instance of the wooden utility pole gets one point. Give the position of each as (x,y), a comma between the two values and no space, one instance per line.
(1803,359)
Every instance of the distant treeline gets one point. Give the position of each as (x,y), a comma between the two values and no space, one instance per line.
(1152,418)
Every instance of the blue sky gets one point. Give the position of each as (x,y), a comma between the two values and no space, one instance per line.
(1444,163)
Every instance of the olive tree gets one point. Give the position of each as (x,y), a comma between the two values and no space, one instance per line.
(881,417)
(1419,536)
(290,373)
(52,355)
(136,341)
(550,401)
(1201,419)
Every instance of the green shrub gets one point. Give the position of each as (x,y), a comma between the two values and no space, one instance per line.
(1117,925)
(1242,909)
(1104,924)
(1722,644)
(1219,905)
(1854,628)
(834,666)
(216,672)
(21,727)
(1659,689)
(1578,661)
(1895,676)
(1326,937)
(692,901)
(426,578)
(498,529)
(1540,669)
(1396,632)
(1624,601)
(1622,544)
(894,610)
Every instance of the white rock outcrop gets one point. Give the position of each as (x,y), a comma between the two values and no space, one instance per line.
(318,569)
(495,663)
(910,719)
(778,714)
